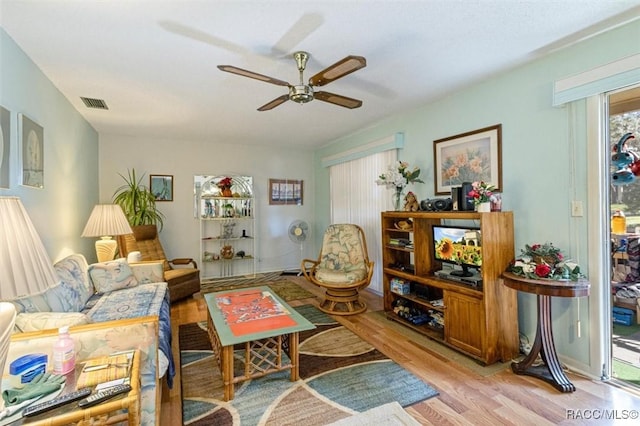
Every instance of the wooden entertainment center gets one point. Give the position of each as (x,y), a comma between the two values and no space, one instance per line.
(479,320)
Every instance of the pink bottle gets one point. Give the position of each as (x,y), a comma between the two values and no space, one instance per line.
(64,352)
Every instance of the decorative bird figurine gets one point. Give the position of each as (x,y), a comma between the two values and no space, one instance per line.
(622,156)
(626,160)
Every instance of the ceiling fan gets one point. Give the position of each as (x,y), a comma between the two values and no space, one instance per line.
(304,93)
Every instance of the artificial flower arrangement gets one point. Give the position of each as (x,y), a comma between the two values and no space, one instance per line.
(481,192)
(398,176)
(224,183)
(545,261)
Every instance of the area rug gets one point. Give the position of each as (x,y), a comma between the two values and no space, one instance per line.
(439,348)
(625,330)
(626,348)
(243,279)
(624,371)
(286,289)
(341,376)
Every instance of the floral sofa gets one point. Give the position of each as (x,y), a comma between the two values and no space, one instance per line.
(109,306)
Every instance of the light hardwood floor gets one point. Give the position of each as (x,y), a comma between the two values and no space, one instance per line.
(466,398)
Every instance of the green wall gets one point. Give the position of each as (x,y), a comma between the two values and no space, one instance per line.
(60,210)
(544,159)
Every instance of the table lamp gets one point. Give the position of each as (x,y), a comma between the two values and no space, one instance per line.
(25,266)
(106,220)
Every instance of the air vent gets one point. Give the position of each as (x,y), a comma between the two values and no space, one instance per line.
(94,103)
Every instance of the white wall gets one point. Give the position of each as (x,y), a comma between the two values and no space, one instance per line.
(184,159)
(60,210)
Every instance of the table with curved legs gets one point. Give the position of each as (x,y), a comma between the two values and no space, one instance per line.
(551,369)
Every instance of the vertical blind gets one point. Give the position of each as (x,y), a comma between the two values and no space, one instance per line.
(356,198)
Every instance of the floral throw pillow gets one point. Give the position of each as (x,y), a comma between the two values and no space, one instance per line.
(26,322)
(112,275)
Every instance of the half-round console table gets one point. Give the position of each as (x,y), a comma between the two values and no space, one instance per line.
(551,370)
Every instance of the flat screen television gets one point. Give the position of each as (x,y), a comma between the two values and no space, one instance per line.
(458,245)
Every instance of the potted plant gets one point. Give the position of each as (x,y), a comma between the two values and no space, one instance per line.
(138,202)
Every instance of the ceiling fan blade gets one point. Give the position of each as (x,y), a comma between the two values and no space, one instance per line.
(251,74)
(308,23)
(274,103)
(343,101)
(339,69)
(196,34)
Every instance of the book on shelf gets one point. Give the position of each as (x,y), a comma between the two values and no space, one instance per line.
(401,242)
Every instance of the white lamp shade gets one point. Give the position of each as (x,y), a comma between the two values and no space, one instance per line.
(7,320)
(106,220)
(25,266)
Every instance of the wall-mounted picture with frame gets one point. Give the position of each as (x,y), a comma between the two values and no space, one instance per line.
(468,157)
(285,191)
(5,147)
(31,135)
(162,187)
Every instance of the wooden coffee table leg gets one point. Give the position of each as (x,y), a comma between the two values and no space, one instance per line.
(227,372)
(293,356)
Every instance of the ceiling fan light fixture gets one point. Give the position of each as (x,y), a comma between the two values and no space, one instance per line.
(301,94)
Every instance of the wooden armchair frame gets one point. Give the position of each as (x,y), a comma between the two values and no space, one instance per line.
(341,298)
(181,274)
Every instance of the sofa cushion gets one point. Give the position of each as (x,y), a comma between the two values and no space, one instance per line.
(126,303)
(75,285)
(148,272)
(38,321)
(112,275)
(31,303)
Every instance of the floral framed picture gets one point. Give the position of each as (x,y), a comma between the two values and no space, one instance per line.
(285,191)
(468,157)
(162,187)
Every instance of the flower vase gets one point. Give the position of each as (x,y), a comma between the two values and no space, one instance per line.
(226,191)
(397,200)
(483,207)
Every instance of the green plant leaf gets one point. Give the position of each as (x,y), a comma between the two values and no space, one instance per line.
(138,202)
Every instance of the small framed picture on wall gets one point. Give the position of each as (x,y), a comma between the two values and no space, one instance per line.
(285,191)
(161,187)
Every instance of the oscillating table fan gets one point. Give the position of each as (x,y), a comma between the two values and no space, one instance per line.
(298,233)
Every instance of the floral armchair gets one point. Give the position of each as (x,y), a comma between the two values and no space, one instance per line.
(343,268)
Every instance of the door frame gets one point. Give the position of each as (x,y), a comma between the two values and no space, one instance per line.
(598,202)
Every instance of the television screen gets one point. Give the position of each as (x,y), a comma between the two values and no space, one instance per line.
(459,246)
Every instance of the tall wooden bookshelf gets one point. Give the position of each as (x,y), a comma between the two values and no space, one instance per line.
(479,320)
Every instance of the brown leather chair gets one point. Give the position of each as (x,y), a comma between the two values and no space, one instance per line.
(181,274)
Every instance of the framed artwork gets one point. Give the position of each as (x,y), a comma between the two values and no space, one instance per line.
(5,147)
(162,187)
(285,191)
(31,152)
(468,157)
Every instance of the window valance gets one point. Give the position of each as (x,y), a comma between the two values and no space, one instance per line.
(390,142)
(602,79)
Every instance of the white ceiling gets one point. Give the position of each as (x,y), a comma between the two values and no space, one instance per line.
(154,62)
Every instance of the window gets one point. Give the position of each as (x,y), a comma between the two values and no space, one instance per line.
(624,117)
(355,198)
